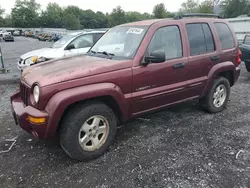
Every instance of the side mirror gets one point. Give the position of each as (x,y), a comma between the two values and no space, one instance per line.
(157,56)
(70,47)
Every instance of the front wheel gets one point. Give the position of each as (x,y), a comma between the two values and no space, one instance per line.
(88,130)
(217,98)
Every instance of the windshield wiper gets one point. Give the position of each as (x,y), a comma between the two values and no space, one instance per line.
(110,55)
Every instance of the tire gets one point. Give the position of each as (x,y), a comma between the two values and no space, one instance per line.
(71,130)
(208,101)
(247,64)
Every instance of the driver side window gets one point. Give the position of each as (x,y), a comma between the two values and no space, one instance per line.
(167,39)
(83,41)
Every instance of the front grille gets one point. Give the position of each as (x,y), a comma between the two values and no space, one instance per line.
(24,90)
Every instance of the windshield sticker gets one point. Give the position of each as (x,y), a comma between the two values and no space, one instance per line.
(135,31)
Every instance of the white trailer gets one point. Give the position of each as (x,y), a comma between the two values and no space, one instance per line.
(241,27)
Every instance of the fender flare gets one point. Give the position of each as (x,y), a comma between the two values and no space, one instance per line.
(216,69)
(61,100)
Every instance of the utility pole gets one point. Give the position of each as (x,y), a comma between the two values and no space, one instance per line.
(2,69)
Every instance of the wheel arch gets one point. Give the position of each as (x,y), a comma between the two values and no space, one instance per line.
(225,69)
(63,101)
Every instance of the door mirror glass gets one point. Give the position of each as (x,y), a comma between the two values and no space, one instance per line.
(70,47)
(156,56)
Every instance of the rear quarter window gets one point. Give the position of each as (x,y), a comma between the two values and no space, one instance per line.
(225,36)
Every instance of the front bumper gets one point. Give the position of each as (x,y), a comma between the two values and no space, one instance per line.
(21,113)
(8,39)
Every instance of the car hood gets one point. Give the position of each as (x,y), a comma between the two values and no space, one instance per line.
(50,53)
(66,69)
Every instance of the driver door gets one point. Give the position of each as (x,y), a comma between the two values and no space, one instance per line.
(160,84)
(79,46)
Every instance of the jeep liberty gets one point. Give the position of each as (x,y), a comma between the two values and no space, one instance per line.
(133,69)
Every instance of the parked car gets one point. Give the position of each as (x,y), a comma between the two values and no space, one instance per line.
(5,33)
(16,33)
(133,69)
(55,37)
(69,45)
(26,33)
(45,37)
(245,49)
(8,37)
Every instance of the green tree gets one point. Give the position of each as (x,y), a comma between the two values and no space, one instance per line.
(88,19)
(102,21)
(76,11)
(234,8)
(70,21)
(146,16)
(159,11)
(206,7)
(52,16)
(170,14)
(117,17)
(25,13)
(133,16)
(190,6)
(7,21)
(1,16)
(1,11)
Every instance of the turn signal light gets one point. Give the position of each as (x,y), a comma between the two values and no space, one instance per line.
(36,120)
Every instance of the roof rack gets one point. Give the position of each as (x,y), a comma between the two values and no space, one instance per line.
(197,15)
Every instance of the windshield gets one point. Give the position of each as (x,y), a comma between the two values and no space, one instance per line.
(121,42)
(62,41)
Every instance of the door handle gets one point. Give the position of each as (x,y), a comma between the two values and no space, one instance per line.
(215,58)
(179,65)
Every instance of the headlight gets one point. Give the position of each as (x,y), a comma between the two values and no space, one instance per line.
(34,59)
(36,93)
(31,60)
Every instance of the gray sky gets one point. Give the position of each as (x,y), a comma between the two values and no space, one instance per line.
(106,5)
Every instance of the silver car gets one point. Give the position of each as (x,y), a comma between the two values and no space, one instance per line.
(70,45)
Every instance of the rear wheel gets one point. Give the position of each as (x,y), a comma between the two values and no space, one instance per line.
(88,130)
(217,98)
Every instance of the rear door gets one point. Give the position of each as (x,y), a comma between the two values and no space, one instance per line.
(159,84)
(202,56)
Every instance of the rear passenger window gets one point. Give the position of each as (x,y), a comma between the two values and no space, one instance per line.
(225,36)
(200,39)
(209,38)
(247,40)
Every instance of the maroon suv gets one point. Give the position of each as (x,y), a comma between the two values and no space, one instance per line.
(133,69)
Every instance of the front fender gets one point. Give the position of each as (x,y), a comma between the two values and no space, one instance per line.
(217,69)
(61,100)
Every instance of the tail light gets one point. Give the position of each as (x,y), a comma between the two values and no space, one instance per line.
(238,59)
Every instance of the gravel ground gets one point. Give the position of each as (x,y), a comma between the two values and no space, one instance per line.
(179,147)
(12,52)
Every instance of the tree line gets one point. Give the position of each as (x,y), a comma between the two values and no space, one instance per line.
(27,13)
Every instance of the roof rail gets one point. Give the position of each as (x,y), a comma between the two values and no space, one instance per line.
(197,15)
